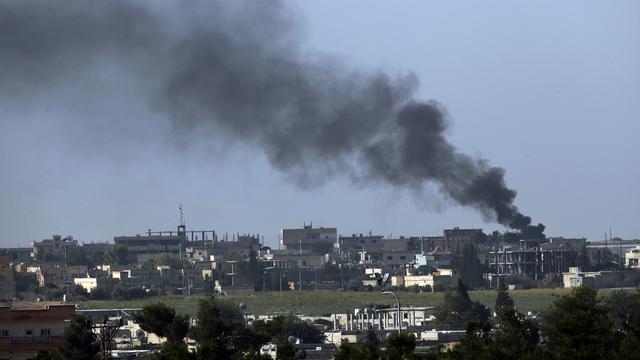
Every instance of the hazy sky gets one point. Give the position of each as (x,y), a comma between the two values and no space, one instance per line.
(549,91)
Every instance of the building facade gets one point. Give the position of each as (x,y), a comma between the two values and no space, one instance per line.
(308,238)
(52,249)
(27,327)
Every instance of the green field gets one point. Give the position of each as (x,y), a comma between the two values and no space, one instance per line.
(325,302)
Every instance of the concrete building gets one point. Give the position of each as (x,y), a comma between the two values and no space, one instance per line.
(437,258)
(57,275)
(17,255)
(154,244)
(632,258)
(600,279)
(529,258)
(352,246)
(161,277)
(92,283)
(438,280)
(52,249)
(387,318)
(397,260)
(308,238)
(26,327)
(292,259)
(454,240)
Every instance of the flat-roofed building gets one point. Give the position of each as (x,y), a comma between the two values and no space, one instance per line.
(52,249)
(352,246)
(58,275)
(456,239)
(26,327)
(309,238)
(148,246)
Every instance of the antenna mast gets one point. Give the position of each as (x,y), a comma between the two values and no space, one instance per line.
(181,210)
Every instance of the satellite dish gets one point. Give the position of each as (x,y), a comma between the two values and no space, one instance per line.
(385,279)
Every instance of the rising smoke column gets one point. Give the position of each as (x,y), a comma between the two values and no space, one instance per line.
(239,70)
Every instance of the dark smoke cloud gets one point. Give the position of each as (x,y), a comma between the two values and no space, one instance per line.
(238,70)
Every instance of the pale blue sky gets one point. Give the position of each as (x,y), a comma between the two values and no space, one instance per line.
(548,91)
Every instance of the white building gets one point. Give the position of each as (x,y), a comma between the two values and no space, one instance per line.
(632,258)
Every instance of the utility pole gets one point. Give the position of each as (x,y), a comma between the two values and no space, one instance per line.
(106,332)
(382,281)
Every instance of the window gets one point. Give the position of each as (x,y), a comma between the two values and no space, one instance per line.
(28,332)
(4,332)
(389,257)
(45,332)
(402,257)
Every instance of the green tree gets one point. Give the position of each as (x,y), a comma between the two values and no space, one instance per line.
(171,351)
(348,351)
(48,355)
(503,300)
(220,330)
(280,328)
(163,259)
(400,346)
(473,346)
(79,341)
(285,351)
(578,327)
(162,320)
(117,255)
(516,337)
(76,255)
(624,311)
(457,308)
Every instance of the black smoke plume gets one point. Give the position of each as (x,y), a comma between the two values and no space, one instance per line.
(238,69)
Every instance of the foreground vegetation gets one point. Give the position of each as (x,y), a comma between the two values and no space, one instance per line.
(327,302)
(580,324)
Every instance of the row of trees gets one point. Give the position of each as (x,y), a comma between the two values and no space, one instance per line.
(220,331)
(582,325)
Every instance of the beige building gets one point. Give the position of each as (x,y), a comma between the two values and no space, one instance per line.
(58,275)
(440,279)
(26,327)
(91,283)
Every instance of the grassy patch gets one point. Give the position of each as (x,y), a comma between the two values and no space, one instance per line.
(326,302)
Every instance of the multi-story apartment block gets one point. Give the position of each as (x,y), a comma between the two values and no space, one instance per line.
(26,327)
(352,247)
(309,238)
